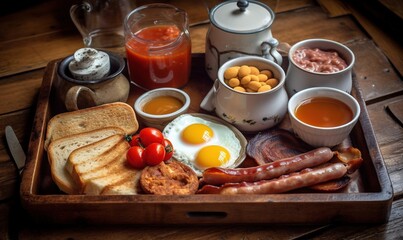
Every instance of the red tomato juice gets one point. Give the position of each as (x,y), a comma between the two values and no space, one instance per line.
(158,59)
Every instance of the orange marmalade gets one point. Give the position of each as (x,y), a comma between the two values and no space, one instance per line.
(162,105)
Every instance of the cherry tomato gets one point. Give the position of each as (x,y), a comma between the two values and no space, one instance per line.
(135,157)
(154,154)
(169,149)
(150,135)
(134,140)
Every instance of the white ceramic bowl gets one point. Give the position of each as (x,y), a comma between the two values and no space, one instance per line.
(247,111)
(160,121)
(322,136)
(298,78)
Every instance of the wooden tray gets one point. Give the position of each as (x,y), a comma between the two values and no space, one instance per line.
(368,199)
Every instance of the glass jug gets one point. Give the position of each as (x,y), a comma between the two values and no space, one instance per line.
(158,46)
(100,22)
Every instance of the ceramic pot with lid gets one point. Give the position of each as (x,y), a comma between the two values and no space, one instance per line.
(250,112)
(239,28)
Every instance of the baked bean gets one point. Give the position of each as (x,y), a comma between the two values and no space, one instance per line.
(244,71)
(254,70)
(250,90)
(249,79)
(262,77)
(254,78)
(239,89)
(231,72)
(245,80)
(254,85)
(264,88)
(268,73)
(234,82)
(272,82)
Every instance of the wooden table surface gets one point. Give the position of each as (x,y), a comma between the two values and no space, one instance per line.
(33,35)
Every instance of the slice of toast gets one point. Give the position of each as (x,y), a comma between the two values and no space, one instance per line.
(101,164)
(129,185)
(117,114)
(59,151)
(90,152)
(93,160)
(118,176)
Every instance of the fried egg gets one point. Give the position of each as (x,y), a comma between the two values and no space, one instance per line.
(201,143)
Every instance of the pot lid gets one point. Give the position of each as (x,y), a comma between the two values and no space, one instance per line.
(242,16)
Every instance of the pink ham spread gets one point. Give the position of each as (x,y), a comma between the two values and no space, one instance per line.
(317,60)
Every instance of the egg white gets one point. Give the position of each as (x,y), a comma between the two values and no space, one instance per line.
(186,153)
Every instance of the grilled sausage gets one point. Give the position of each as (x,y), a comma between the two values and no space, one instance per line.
(219,176)
(285,183)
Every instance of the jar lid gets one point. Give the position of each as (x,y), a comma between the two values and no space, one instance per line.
(242,16)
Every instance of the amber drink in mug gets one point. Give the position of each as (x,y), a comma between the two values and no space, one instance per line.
(319,63)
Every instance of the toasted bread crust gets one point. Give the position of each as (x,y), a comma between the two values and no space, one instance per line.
(116,114)
(92,160)
(129,185)
(59,151)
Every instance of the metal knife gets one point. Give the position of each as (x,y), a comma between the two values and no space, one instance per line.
(15,148)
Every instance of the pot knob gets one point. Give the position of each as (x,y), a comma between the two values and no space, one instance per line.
(242,5)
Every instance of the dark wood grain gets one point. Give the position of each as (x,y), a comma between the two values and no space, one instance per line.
(390,140)
(45,25)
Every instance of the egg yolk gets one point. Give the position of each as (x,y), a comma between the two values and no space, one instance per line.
(197,133)
(212,156)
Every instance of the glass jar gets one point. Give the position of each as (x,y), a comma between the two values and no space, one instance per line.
(158,46)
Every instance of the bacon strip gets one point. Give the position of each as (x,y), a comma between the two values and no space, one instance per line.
(285,183)
(219,176)
(274,144)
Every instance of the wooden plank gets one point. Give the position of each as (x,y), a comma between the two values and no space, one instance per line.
(382,36)
(395,6)
(390,141)
(289,5)
(164,232)
(9,179)
(47,17)
(13,97)
(33,53)
(314,23)
(390,230)
(372,70)
(21,121)
(334,8)
(5,214)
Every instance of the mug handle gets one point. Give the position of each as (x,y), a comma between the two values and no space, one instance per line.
(269,51)
(208,101)
(72,95)
(79,21)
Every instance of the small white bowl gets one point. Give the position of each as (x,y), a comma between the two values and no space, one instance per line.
(322,136)
(160,121)
(298,78)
